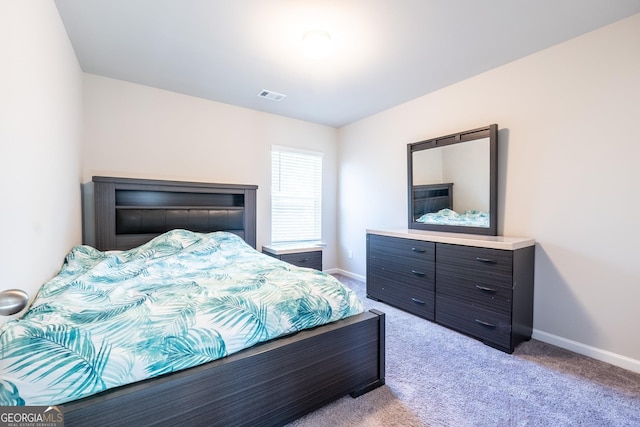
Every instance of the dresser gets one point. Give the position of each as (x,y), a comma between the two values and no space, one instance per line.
(481,286)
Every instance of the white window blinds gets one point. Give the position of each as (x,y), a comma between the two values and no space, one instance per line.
(296,195)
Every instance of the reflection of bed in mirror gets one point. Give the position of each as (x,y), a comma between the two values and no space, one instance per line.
(463,163)
(433,204)
(430,198)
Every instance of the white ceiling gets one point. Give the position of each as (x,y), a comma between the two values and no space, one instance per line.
(385,52)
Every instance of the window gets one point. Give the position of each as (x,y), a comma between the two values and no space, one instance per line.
(296,195)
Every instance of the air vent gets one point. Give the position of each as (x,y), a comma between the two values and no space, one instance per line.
(269,94)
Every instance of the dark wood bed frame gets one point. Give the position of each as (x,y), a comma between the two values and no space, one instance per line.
(269,384)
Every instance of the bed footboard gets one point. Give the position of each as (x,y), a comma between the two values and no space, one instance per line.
(269,384)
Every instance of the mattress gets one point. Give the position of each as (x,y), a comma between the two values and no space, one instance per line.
(181,300)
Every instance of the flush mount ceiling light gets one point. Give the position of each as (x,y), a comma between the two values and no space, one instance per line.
(316,44)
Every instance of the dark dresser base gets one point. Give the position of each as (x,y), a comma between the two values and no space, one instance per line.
(483,292)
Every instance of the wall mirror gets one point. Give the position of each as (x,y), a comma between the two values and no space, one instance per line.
(453,182)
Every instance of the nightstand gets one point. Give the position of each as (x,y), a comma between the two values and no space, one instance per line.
(301,256)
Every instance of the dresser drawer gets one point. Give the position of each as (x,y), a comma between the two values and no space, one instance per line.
(403,270)
(384,246)
(488,326)
(468,290)
(422,279)
(416,298)
(486,264)
(402,260)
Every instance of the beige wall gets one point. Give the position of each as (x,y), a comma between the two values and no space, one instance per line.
(40,126)
(141,132)
(568,176)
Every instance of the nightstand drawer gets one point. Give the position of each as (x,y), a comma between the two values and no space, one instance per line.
(303,258)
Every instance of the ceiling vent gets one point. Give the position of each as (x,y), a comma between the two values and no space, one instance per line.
(269,94)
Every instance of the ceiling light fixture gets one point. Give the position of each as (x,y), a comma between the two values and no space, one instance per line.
(271,95)
(316,44)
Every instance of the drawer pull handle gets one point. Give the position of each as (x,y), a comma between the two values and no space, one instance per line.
(419,273)
(420,250)
(487,324)
(485,289)
(419,301)
(485,260)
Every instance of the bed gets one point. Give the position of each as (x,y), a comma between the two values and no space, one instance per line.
(271,382)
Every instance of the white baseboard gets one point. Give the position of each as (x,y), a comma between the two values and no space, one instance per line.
(587,350)
(348,274)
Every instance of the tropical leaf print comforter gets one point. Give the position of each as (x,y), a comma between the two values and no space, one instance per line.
(180,300)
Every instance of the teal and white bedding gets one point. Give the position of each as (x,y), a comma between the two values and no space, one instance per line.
(450,217)
(180,300)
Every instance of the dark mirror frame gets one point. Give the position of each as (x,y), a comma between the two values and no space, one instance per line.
(491,132)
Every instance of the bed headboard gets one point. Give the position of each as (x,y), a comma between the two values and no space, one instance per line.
(130,212)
